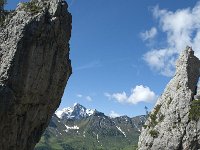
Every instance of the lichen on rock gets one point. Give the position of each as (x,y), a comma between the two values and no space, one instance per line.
(34,69)
(177,129)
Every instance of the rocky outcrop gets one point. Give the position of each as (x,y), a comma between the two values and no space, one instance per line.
(172,125)
(34,69)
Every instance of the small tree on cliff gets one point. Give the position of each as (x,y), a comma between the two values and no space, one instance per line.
(2,3)
(2,12)
(146,109)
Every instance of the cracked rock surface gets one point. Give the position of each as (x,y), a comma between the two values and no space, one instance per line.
(169,127)
(34,69)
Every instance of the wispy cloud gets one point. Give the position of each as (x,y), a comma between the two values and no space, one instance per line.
(93,64)
(120,97)
(79,95)
(161,60)
(88,98)
(113,114)
(182,28)
(138,94)
(137,68)
(148,34)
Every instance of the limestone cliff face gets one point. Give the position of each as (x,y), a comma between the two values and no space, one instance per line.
(34,69)
(169,126)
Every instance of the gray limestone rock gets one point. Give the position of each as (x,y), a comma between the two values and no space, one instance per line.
(169,126)
(34,69)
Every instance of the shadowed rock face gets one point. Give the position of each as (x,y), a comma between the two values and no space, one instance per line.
(34,69)
(169,126)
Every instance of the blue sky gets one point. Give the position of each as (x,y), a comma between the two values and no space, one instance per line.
(123,51)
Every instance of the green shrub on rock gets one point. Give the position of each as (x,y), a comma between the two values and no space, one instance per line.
(153,116)
(194,113)
(154,133)
(2,11)
(31,7)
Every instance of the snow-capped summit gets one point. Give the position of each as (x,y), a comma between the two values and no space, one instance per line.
(64,111)
(76,112)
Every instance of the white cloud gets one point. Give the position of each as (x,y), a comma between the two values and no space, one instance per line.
(120,97)
(88,98)
(141,94)
(161,60)
(149,34)
(79,95)
(114,114)
(90,65)
(182,28)
(138,94)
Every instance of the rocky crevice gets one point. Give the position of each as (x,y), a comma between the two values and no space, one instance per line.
(176,130)
(34,69)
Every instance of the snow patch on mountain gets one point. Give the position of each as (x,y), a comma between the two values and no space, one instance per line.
(121,131)
(97,138)
(84,134)
(90,111)
(71,128)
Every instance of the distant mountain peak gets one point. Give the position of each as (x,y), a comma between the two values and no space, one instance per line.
(76,112)
(76,104)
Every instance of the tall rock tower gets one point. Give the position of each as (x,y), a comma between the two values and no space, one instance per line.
(174,123)
(34,69)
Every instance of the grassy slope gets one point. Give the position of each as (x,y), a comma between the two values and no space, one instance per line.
(108,137)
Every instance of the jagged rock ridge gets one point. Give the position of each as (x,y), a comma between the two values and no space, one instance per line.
(169,126)
(34,69)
